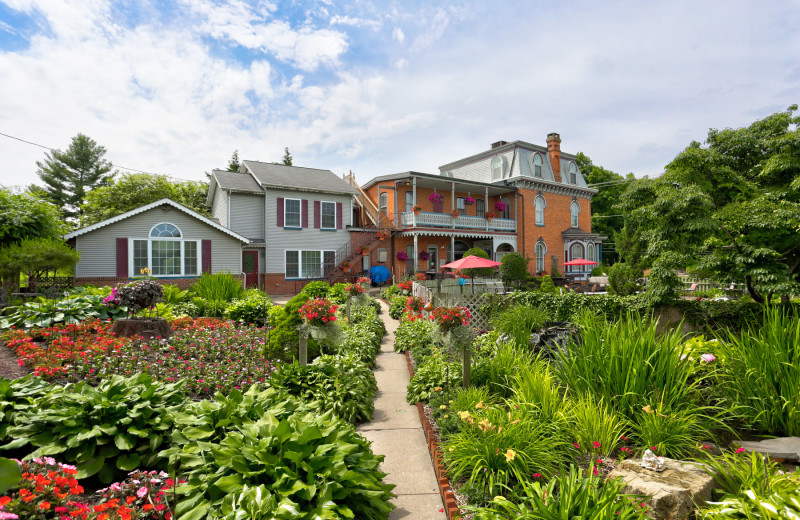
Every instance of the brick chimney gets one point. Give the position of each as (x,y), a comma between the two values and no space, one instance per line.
(554,151)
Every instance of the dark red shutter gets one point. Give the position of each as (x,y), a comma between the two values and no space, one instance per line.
(122,257)
(317,216)
(338,215)
(280,211)
(206,249)
(304,214)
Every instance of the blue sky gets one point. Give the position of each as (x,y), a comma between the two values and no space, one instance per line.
(381,87)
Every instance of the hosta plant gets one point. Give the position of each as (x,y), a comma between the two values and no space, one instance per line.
(419,335)
(434,375)
(71,310)
(572,494)
(106,430)
(751,505)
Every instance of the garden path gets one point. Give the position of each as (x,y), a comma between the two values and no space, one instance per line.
(396,432)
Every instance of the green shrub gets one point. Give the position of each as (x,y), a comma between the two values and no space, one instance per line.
(513,268)
(107,430)
(185,309)
(600,270)
(360,340)
(218,286)
(536,392)
(388,292)
(284,339)
(264,455)
(397,306)
(593,424)
(338,294)
(497,369)
(173,294)
(447,405)
(623,279)
(498,448)
(519,321)
(735,473)
(251,307)
(547,286)
(318,289)
(76,308)
(572,494)
(434,373)
(761,374)
(480,271)
(675,428)
(417,334)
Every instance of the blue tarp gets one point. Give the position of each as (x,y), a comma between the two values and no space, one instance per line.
(379,274)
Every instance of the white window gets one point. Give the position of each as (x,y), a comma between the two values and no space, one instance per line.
(497,168)
(409,201)
(576,251)
(539,204)
(460,206)
(537,165)
(574,209)
(383,203)
(480,207)
(308,264)
(590,252)
(165,253)
(327,215)
(291,213)
(540,252)
(573,173)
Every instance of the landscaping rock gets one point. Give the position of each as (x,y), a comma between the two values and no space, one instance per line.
(787,448)
(674,491)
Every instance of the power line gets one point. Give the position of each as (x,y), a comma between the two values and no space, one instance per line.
(115,165)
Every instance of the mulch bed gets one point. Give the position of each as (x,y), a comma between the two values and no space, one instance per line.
(9,367)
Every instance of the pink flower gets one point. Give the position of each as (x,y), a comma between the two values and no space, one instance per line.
(708,358)
(141,492)
(596,445)
(577,446)
(740,450)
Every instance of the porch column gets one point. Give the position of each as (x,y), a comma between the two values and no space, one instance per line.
(414,197)
(416,253)
(486,204)
(396,207)
(452,249)
(453,200)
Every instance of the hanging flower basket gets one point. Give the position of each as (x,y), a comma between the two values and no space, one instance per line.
(424,255)
(456,214)
(420,277)
(354,289)
(364,250)
(318,312)
(416,209)
(500,206)
(469,201)
(435,197)
(402,256)
(383,235)
(488,216)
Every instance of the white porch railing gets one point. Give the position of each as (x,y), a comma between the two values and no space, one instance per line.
(409,219)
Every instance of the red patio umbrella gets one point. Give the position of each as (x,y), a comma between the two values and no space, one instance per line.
(580,261)
(472,262)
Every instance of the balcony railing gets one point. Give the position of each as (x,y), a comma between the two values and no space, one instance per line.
(446,221)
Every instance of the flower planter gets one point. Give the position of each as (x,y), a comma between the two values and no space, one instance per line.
(148,328)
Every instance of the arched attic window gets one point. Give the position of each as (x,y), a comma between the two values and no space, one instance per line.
(165,230)
(497,168)
(537,165)
(573,173)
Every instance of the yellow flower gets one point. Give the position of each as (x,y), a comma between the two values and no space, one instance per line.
(443,407)
(464,415)
(510,454)
(437,389)
(647,409)
(479,405)
(450,401)
(451,449)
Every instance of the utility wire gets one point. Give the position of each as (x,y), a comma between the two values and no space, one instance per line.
(115,165)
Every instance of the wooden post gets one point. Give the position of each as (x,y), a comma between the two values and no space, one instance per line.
(303,351)
(466,376)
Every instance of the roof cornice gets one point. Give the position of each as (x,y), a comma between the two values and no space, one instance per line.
(552,187)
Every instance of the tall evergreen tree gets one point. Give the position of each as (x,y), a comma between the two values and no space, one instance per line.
(234,164)
(287,157)
(69,175)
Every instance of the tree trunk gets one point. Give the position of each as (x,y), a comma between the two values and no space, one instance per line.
(148,328)
(752,290)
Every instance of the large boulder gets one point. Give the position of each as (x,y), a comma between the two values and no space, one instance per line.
(674,492)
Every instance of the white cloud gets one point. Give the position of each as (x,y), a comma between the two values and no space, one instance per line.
(398,34)
(356,22)
(401,64)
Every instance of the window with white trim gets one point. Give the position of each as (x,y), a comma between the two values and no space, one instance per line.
(576,251)
(590,252)
(327,212)
(308,264)
(383,203)
(409,200)
(539,205)
(460,206)
(480,207)
(537,165)
(497,168)
(291,213)
(540,252)
(165,253)
(573,173)
(574,209)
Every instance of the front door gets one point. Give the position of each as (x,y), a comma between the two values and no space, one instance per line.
(433,261)
(250,268)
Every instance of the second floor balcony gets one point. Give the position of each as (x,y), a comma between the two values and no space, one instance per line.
(409,219)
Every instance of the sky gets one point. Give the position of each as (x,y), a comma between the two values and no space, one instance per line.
(174,87)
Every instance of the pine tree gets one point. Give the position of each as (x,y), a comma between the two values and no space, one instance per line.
(69,175)
(287,157)
(233,164)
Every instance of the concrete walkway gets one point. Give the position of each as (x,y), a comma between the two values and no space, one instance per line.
(395,431)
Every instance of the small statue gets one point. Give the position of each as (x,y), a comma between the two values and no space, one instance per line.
(651,462)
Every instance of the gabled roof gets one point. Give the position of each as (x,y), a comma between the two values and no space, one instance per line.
(236,181)
(297,178)
(148,207)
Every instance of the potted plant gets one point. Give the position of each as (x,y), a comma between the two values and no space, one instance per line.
(469,201)
(416,209)
(346,266)
(488,216)
(435,197)
(141,295)
(500,205)
(364,250)
(402,256)
(424,255)
(383,234)
(456,214)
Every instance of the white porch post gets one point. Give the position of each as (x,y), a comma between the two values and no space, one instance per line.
(416,253)
(396,207)
(453,200)
(414,198)
(486,204)
(452,249)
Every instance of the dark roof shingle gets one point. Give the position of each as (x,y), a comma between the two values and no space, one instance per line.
(296,177)
(236,181)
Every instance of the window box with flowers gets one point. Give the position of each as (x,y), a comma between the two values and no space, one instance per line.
(489,216)
(364,250)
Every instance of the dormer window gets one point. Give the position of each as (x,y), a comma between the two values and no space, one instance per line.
(574,210)
(537,165)
(573,173)
(497,167)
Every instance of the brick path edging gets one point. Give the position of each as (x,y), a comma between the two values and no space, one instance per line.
(450,506)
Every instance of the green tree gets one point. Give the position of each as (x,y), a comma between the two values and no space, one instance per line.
(37,257)
(233,164)
(27,215)
(479,271)
(729,207)
(514,267)
(623,279)
(132,190)
(287,157)
(605,219)
(70,175)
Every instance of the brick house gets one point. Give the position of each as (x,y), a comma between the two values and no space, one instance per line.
(516,196)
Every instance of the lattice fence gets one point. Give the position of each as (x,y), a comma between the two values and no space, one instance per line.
(473,302)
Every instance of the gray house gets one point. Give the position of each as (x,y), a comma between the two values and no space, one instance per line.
(295,220)
(172,241)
